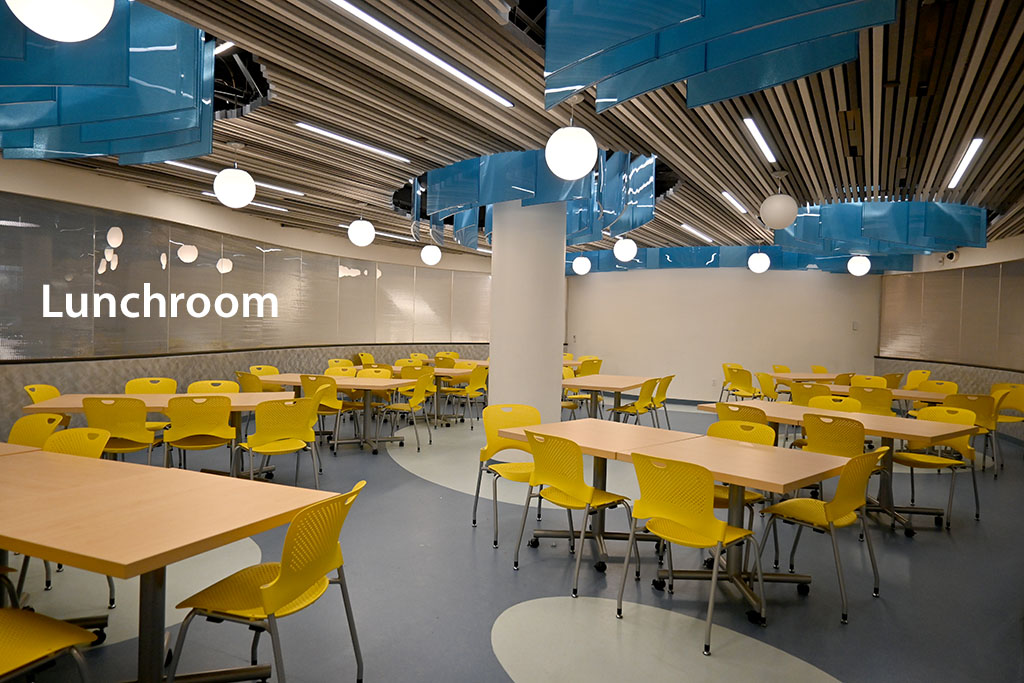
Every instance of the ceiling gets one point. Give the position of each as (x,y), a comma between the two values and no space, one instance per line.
(894,123)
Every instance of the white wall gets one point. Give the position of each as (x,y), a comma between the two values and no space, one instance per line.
(688,322)
(1009,249)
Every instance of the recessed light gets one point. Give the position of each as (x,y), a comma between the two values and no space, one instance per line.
(222,47)
(262,206)
(352,143)
(759,139)
(694,231)
(208,171)
(734,202)
(968,157)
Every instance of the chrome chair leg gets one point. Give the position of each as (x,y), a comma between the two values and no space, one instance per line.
(494,512)
(351,624)
(579,555)
(572,531)
(625,566)
(275,640)
(83,671)
(476,496)
(111,595)
(871,550)
(792,552)
(839,572)
(522,526)
(179,643)
(974,482)
(711,599)
(949,503)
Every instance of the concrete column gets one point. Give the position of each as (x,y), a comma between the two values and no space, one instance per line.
(528,306)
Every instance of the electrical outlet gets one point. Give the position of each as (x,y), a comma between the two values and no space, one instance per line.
(714,383)
(855,325)
(574,339)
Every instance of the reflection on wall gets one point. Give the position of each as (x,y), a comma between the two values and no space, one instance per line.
(322,300)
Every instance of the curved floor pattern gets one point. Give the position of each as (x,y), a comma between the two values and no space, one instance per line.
(78,593)
(562,639)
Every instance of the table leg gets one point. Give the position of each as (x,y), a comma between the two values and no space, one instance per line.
(900,514)
(618,404)
(152,595)
(594,395)
(3,563)
(367,419)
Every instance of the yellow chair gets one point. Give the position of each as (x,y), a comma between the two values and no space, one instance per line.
(826,517)
(339,363)
(248,382)
(868,381)
(590,366)
(152,385)
(642,405)
(354,402)
(341,371)
(407,362)
(843,379)
(821,369)
(448,354)
(330,404)
(893,379)
(780,368)
(937,386)
(558,467)
(125,419)
(474,389)
(986,410)
(29,641)
(33,430)
(213,386)
(677,500)
(416,404)
(198,423)
(583,358)
(740,430)
(914,379)
(364,358)
(566,356)
(263,371)
(419,356)
(283,427)
(259,595)
(873,400)
(769,387)
(741,384)
(727,369)
(44,392)
(444,362)
(841,436)
(660,397)
(414,372)
(496,418)
(382,372)
(960,444)
(738,411)
(843,403)
(803,392)
(1013,402)
(571,403)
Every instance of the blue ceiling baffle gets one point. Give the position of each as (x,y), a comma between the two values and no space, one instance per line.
(141,89)
(722,48)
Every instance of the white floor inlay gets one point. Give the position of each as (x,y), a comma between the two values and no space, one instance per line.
(78,593)
(562,639)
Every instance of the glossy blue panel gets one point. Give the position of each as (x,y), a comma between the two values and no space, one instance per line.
(962,225)
(417,206)
(641,195)
(16,138)
(27,115)
(60,142)
(466,227)
(136,126)
(562,85)
(688,257)
(841,221)
(101,60)
(453,188)
(550,188)
(769,70)
(580,224)
(507,176)
(887,221)
(12,37)
(16,95)
(436,228)
(650,76)
(488,222)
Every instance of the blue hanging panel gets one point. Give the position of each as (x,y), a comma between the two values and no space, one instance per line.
(466,228)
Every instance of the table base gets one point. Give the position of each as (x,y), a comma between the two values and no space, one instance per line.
(741,581)
(244,673)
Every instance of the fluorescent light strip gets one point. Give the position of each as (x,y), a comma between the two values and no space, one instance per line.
(352,143)
(262,206)
(208,171)
(972,149)
(222,47)
(734,202)
(484,250)
(694,231)
(430,57)
(17,224)
(759,139)
(278,188)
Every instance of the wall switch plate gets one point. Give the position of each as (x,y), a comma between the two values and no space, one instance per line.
(855,326)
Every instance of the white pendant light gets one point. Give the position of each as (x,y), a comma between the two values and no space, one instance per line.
(115,237)
(858,265)
(624,250)
(779,211)
(224,266)
(430,254)
(759,262)
(187,253)
(581,265)
(66,21)
(571,152)
(234,188)
(361,232)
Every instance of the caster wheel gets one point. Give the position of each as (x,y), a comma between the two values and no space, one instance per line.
(269,475)
(938,520)
(60,568)
(709,563)
(448,424)
(909,533)
(533,543)
(754,617)
(803,588)
(111,605)
(658,584)
(462,419)
(401,444)
(814,493)
(375,451)
(101,636)
(600,566)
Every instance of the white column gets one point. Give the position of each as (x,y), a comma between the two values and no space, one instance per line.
(528,306)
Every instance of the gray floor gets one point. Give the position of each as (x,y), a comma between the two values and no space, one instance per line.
(427,588)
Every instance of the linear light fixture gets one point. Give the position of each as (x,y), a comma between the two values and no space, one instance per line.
(352,143)
(759,139)
(968,157)
(694,231)
(734,202)
(262,206)
(210,171)
(222,47)
(484,250)
(413,47)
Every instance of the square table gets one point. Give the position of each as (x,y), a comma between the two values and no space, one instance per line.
(595,384)
(124,520)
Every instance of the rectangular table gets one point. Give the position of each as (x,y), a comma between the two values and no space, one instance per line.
(14,448)
(72,403)
(897,394)
(596,384)
(788,377)
(124,520)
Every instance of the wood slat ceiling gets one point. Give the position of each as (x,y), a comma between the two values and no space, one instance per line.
(892,124)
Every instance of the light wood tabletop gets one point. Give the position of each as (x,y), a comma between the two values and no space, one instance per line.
(897,394)
(616,383)
(294,379)
(485,363)
(804,376)
(601,438)
(72,403)
(767,468)
(13,448)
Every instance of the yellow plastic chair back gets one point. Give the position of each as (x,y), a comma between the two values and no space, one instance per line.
(248,382)
(477,379)
(743,413)
(868,381)
(364,358)
(998,386)
(644,399)
(82,441)
(151,385)
(341,371)
(566,356)
(41,392)
(938,386)
(781,368)
(873,400)
(444,362)
(741,380)
(339,363)
(405,362)
(567,372)
(738,430)
(465,364)
(419,356)
(679,492)
(819,368)
(416,371)
(661,393)
(124,418)
(381,373)
(33,430)
(198,416)
(213,386)
(311,384)
(558,463)
(893,379)
(419,391)
(291,418)
(727,369)
(505,416)
(1013,399)
(454,355)
(950,415)
(844,379)
(844,403)
(803,392)
(590,366)
(915,377)
(985,407)
(840,436)
(851,491)
(260,370)
(311,550)
(768,386)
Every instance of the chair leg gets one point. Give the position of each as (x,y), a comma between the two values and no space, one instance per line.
(522,527)
(254,649)
(111,594)
(839,572)
(711,599)
(871,550)
(275,640)
(314,453)
(539,501)
(83,671)
(668,424)
(636,546)
(351,624)
(24,574)
(792,552)
(415,429)
(760,582)
(572,531)
(178,645)
(476,496)
(494,502)
(949,503)
(671,568)
(579,555)
(913,492)
(974,482)
(625,565)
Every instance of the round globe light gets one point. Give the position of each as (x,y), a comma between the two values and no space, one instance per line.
(115,237)
(234,188)
(66,21)
(430,254)
(779,211)
(759,262)
(571,152)
(224,266)
(581,265)
(624,250)
(858,265)
(187,253)
(361,232)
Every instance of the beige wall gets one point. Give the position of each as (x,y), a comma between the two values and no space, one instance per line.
(1009,249)
(688,322)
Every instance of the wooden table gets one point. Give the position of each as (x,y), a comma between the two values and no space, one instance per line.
(926,432)
(897,394)
(14,448)
(790,377)
(449,373)
(124,520)
(595,384)
(740,464)
(604,440)
(72,403)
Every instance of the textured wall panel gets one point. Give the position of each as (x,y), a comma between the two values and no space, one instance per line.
(433,306)
(899,333)
(979,325)
(186,333)
(357,294)
(471,306)
(246,277)
(317,314)
(940,315)
(395,302)
(1011,316)
(282,276)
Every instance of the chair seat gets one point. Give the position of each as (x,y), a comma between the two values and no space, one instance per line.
(570,405)
(465,393)
(809,511)
(200,442)
(1011,418)
(238,595)
(578,397)
(562,499)
(26,637)
(278,447)
(674,532)
(722,496)
(631,409)
(127,445)
(743,393)
(925,461)
(157,425)
(513,471)
(402,407)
